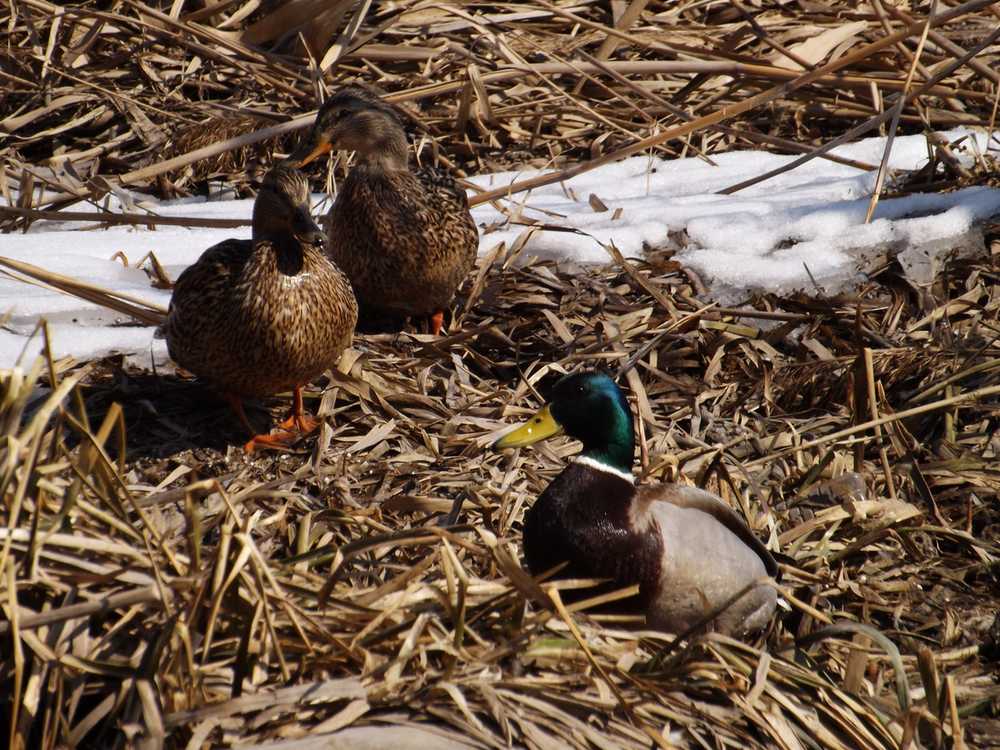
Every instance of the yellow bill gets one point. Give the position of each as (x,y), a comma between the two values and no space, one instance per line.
(542,425)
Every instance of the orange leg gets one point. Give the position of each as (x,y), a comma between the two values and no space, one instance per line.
(275,440)
(298,419)
(237,404)
(257,439)
(437,320)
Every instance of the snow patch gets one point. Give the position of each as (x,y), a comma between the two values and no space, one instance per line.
(783,234)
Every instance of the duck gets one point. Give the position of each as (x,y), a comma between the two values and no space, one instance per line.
(686,549)
(404,237)
(261,316)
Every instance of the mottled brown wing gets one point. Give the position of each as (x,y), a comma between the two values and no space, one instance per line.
(451,204)
(405,240)
(200,300)
(432,217)
(215,269)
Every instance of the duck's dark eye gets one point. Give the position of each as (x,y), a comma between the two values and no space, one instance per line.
(345,112)
(335,116)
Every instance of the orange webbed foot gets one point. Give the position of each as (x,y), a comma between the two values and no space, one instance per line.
(274,440)
(301,423)
(437,321)
(298,422)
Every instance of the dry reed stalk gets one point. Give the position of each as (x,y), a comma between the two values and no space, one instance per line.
(417,594)
(221,56)
(158,583)
(108,217)
(148,312)
(897,112)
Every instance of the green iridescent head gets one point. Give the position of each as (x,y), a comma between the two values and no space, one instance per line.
(590,407)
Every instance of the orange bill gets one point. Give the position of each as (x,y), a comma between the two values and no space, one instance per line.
(323,147)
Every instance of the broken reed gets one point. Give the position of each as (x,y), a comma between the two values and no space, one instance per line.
(377,572)
(502,93)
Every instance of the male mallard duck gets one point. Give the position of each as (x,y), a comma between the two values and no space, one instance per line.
(256,317)
(405,239)
(687,550)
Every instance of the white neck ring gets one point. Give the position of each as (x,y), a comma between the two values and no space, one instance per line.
(604,468)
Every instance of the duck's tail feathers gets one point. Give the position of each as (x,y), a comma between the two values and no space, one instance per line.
(142,310)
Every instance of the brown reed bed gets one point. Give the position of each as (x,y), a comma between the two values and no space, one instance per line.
(366,587)
(160,589)
(174,97)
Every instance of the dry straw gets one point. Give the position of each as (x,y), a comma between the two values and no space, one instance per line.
(159,589)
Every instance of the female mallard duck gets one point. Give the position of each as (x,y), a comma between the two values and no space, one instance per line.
(405,239)
(687,550)
(256,317)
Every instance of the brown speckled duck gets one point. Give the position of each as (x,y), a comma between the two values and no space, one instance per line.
(404,238)
(688,551)
(256,317)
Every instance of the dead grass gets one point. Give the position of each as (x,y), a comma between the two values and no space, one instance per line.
(173,590)
(172,98)
(159,589)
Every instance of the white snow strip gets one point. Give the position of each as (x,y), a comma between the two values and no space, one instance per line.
(770,237)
